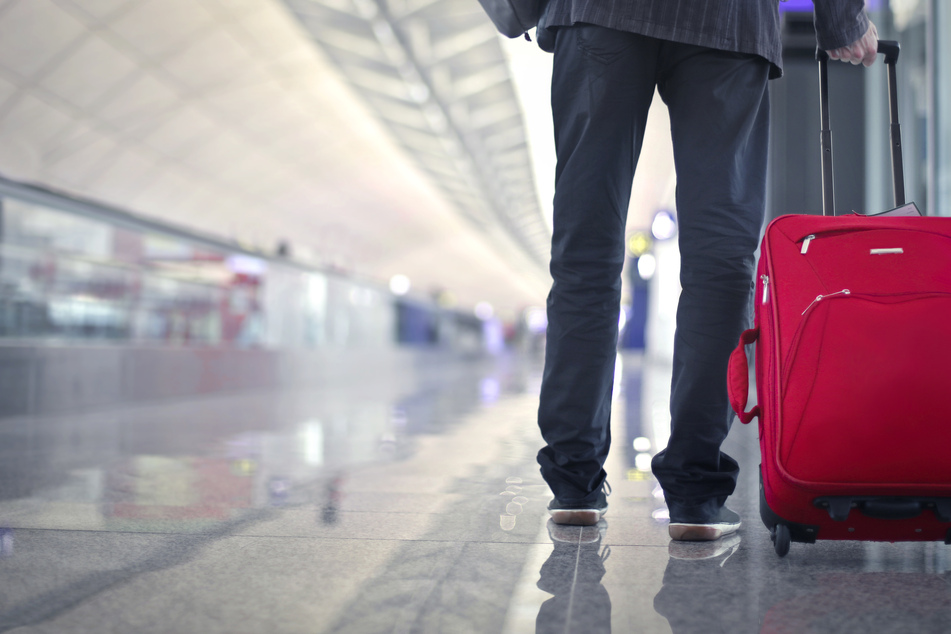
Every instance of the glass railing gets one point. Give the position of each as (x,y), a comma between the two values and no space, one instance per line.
(69,277)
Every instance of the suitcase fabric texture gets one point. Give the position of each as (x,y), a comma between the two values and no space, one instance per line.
(853,368)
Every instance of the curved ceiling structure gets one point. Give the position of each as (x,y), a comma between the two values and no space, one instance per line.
(224,117)
(435,74)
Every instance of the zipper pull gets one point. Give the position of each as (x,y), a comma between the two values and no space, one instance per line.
(765,279)
(819,298)
(805,243)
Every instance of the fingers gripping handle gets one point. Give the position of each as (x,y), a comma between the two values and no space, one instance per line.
(738,383)
(889,48)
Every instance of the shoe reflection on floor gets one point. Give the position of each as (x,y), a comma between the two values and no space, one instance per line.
(717,587)
(573,574)
(333,494)
(699,585)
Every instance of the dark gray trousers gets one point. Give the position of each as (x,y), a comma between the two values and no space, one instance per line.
(602,86)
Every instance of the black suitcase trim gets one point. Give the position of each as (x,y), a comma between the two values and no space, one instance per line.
(885,508)
(804,533)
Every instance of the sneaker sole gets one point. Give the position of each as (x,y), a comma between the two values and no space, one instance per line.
(573,534)
(703,550)
(700,532)
(576,517)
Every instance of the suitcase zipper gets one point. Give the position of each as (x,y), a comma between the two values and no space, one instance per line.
(805,243)
(805,240)
(765,279)
(875,297)
(819,298)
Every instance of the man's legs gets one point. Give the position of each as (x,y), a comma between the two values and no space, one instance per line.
(602,86)
(719,113)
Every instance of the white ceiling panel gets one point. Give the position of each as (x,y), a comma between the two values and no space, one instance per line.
(79,167)
(159,28)
(271,188)
(306,148)
(256,74)
(180,130)
(216,59)
(234,7)
(18,159)
(258,101)
(205,203)
(273,128)
(98,9)
(33,33)
(243,167)
(224,147)
(129,171)
(164,196)
(269,31)
(138,104)
(258,178)
(296,58)
(89,72)
(7,90)
(74,137)
(35,121)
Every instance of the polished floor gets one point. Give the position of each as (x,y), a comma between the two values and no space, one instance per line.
(409,505)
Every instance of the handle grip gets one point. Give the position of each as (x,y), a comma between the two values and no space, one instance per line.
(738,382)
(891,49)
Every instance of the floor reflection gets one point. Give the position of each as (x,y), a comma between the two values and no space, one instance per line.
(355,507)
(573,574)
(866,602)
(725,587)
(703,589)
(333,494)
(189,465)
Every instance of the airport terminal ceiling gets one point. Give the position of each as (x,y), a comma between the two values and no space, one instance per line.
(374,137)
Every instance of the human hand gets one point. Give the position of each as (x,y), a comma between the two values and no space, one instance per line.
(861,51)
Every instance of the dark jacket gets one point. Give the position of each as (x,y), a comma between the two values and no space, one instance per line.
(742,26)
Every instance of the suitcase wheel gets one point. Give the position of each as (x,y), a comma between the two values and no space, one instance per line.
(781,538)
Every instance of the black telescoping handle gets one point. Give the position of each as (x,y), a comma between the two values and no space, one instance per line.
(890,50)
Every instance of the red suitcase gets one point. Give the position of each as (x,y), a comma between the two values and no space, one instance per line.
(853,368)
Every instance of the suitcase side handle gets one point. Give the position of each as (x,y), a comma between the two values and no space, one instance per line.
(738,378)
(891,50)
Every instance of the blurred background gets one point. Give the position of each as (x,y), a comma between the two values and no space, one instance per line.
(208,195)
